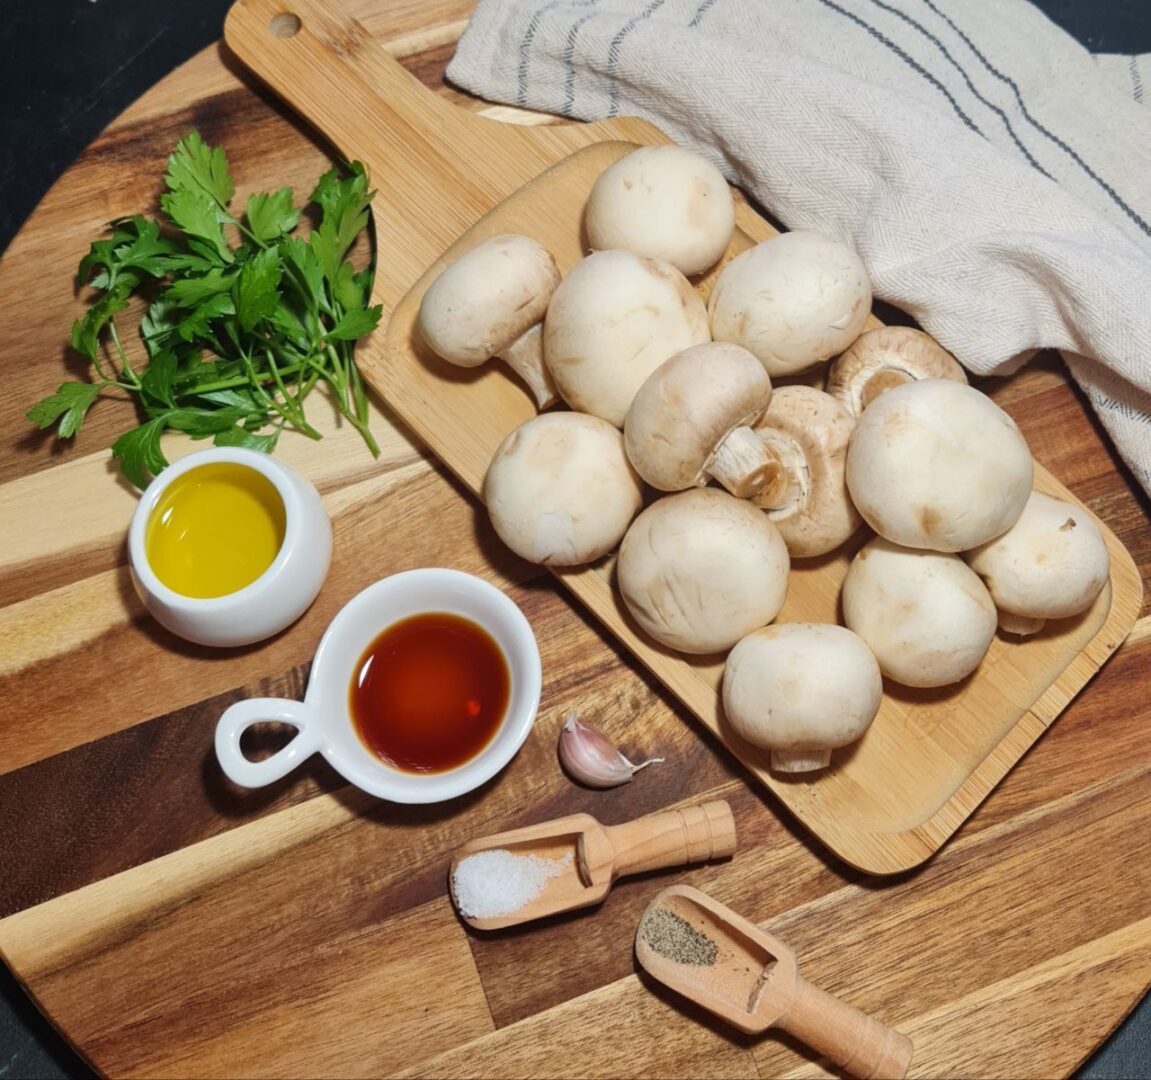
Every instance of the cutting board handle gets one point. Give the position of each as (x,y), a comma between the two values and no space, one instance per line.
(331,70)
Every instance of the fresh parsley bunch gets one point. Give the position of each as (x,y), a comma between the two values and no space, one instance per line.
(237,333)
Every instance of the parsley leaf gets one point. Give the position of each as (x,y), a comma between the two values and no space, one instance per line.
(138,451)
(272,215)
(68,405)
(237,436)
(195,165)
(356,323)
(198,216)
(256,290)
(345,214)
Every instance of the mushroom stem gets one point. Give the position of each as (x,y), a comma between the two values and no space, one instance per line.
(525,356)
(742,464)
(786,486)
(798,761)
(1020,625)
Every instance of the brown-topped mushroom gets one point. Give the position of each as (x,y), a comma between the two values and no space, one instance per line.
(491,302)
(691,421)
(807,433)
(886,357)
(613,320)
(560,490)
(700,569)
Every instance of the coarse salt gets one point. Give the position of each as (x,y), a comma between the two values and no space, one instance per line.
(488,884)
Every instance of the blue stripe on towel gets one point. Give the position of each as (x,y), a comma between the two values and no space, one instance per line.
(569,57)
(966,78)
(613,50)
(700,12)
(906,58)
(1115,197)
(525,51)
(1136,79)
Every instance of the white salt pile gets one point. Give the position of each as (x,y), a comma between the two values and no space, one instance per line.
(488,884)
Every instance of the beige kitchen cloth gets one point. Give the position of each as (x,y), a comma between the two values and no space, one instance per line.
(993,174)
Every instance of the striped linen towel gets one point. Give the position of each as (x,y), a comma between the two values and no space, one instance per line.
(993,174)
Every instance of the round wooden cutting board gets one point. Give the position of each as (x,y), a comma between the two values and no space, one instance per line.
(173,925)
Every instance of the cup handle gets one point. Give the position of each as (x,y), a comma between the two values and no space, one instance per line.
(241,716)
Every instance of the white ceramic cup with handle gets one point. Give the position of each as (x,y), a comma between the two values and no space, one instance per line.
(323,720)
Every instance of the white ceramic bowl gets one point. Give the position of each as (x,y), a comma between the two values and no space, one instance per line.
(277,597)
(322,720)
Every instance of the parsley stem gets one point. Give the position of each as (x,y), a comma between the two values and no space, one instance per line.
(124,364)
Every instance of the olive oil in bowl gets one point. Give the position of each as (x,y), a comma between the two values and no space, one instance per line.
(216,529)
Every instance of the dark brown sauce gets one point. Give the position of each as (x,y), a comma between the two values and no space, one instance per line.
(429,693)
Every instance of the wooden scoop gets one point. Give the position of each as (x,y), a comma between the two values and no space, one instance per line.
(446,179)
(719,960)
(584,857)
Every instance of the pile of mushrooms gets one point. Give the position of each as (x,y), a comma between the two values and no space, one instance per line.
(671,402)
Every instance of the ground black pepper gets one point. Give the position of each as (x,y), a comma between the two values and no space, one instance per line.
(674,937)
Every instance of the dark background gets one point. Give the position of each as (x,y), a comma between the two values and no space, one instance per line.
(68,68)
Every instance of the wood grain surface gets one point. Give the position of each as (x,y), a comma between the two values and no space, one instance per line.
(172,925)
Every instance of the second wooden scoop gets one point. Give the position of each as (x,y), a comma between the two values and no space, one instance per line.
(576,860)
(731,967)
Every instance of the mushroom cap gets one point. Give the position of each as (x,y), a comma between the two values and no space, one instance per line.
(665,202)
(701,569)
(613,320)
(1051,564)
(809,432)
(560,490)
(801,686)
(936,464)
(925,614)
(881,359)
(686,407)
(487,298)
(794,300)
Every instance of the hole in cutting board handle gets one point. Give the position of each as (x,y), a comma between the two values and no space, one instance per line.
(285,25)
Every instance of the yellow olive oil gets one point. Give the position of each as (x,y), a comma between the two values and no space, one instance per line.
(215,529)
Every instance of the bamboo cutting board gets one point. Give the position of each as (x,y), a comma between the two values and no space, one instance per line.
(931,756)
(172,925)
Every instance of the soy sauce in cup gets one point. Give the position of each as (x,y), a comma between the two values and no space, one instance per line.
(429,693)
(462,640)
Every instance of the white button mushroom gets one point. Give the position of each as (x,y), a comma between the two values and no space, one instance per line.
(690,420)
(886,357)
(613,320)
(1051,564)
(936,464)
(794,300)
(801,690)
(926,615)
(807,432)
(560,490)
(665,202)
(701,569)
(491,302)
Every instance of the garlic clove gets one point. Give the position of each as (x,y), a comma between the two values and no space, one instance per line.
(589,757)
